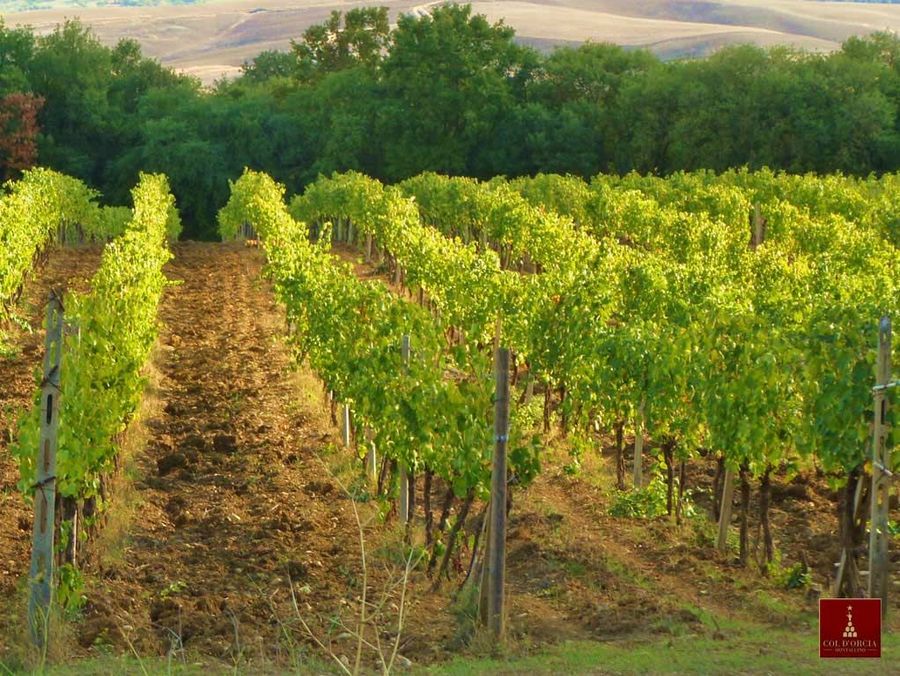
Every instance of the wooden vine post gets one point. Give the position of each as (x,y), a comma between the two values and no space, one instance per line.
(404,478)
(496,554)
(41,574)
(757,237)
(371,458)
(639,446)
(725,511)
(879,536)
(345,426)
(758,223)
(845,557)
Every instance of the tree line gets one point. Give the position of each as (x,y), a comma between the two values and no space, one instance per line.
(447,92)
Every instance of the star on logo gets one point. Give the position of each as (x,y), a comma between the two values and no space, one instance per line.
(849,630)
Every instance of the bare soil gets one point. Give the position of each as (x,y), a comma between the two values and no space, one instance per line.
(65,269)
(235,505)
(234,543)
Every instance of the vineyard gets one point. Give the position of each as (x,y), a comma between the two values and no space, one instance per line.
(285,457)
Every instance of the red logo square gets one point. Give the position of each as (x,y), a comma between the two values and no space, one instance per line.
(849,627)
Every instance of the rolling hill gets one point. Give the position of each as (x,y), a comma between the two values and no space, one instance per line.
(213,39)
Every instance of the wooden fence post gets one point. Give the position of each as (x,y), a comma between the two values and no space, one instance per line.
(725,510)
(639,446)
(842,563)
(405,479)
(345,426)
(372,463)
(879,537)
(757,227)
(497,530)
(41,574)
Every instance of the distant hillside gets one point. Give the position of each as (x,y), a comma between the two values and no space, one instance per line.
(32,5)
(213,38)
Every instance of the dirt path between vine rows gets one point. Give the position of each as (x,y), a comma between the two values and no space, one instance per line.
(232,502)
(65,269)
(231,507)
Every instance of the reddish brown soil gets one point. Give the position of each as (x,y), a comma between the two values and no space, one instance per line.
(65,269)
(233,501)
(239,493)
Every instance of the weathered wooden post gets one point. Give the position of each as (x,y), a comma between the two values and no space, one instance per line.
(371,456)
(496,559)
(41,574)
(404,477)
(345,426)
(639,446)
(371,462)
(247,231)
(725,510)
(842,564)
(757,227)
(879,537)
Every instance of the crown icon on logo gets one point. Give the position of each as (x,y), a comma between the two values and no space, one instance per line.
(849,630)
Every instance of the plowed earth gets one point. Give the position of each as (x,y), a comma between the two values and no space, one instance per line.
(234,503)
(235,542)
(65,269)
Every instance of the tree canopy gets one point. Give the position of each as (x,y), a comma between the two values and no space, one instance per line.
(446,91)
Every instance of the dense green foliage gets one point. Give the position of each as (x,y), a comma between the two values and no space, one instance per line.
(435,411)
(45,207)
(449,92)
(115,328)
(33,211)
(763,354)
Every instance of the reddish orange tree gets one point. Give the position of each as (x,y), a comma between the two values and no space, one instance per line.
(18,132)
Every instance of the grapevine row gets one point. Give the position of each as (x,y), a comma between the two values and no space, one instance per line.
(114,327)
(31,214)
(761,354)
(785,353)
(433,412)
(46,206)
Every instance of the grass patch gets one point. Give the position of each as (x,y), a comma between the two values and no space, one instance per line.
(772,607)
(745,649)
(116,666)
(627,573)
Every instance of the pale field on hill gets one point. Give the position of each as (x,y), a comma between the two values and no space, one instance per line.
(213,39)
